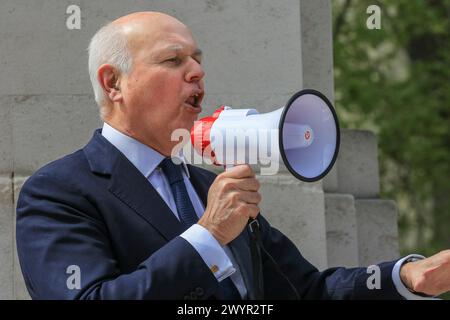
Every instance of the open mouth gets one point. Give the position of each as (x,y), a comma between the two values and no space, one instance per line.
(194,100)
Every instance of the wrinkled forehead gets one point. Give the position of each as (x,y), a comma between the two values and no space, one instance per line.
(153,37)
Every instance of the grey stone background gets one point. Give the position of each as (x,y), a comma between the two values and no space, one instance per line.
(257,54)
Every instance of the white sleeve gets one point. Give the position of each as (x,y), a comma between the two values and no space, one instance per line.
(210,250)
(400,286)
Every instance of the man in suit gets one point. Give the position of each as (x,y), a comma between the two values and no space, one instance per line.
(120,220)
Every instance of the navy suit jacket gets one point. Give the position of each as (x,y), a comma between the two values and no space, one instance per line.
(94,210)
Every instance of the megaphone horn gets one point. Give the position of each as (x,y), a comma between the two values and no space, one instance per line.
(307,135)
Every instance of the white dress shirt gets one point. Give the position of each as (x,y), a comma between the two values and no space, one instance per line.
(219,259)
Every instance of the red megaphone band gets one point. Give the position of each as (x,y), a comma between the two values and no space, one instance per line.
(201,135)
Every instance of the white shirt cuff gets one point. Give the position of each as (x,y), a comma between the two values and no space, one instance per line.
(210,250)
(400,286)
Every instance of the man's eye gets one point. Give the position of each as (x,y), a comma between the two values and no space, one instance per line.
(174,60)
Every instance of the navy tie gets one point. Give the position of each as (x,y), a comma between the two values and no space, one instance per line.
(188,217)
(186,211)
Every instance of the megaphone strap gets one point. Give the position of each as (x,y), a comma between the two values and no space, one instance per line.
(256,246)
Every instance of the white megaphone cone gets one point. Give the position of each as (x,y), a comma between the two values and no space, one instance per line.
(304,133)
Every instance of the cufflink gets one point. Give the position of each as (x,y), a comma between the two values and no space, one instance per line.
(214,268)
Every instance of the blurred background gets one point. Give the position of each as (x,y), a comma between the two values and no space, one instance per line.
(395,81)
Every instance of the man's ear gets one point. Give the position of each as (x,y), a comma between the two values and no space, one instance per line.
(109,79)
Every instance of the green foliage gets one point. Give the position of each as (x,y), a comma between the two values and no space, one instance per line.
(396,82)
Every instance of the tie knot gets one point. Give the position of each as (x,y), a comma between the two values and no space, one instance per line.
(171,170)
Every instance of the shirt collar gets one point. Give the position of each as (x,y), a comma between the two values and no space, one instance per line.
(143,157)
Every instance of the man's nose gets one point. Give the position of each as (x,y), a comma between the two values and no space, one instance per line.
(195,72)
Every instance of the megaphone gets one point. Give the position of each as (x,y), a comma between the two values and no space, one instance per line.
(305,133)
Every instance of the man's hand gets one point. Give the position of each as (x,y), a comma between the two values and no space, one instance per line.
(430,276)
(233,198)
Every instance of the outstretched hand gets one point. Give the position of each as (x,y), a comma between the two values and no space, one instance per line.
(430,276)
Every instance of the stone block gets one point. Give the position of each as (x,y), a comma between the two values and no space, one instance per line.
(6,143)
(49,127)
(6,238)
(297,209)
(20,290)
(342,245)
(317,46)
(251,47)
(357,164)
(377,231)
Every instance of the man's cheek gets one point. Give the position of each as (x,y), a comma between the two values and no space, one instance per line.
(160,92)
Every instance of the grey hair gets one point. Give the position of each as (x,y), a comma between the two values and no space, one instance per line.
(108,45)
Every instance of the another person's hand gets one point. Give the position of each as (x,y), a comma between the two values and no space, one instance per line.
(430,276)
(233,198)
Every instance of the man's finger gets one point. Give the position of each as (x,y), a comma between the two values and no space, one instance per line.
(250,197)
(247,184)
(239,172)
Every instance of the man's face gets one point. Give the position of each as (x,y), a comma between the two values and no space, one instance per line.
(164,89)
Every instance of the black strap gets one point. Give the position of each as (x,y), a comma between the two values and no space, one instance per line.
(256,246)
(255,249)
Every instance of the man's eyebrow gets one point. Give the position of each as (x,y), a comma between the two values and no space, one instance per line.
(177,48)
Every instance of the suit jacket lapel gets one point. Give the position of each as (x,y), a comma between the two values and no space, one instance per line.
(131,187)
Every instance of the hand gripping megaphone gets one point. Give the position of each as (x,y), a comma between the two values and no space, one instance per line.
(305,133)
